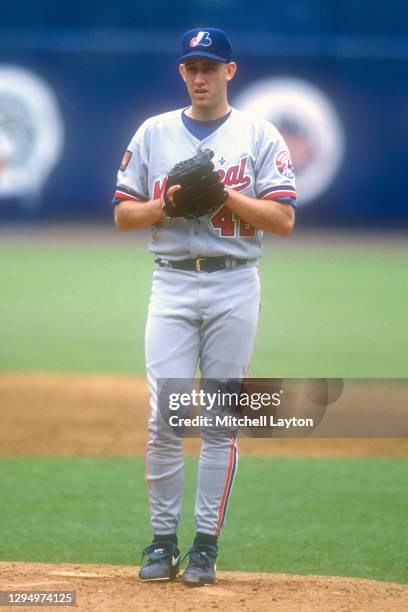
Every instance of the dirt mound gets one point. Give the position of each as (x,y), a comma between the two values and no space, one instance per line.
(106,587)
(43,414)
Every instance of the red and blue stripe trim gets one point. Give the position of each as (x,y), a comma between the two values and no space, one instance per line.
(232,468)
(126,193)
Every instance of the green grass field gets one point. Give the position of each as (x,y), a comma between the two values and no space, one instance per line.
(306,516)
(327,313)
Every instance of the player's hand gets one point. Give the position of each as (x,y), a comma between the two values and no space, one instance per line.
(167,199)
(170,194)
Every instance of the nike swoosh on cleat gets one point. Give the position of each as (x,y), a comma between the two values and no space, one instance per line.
(175,560)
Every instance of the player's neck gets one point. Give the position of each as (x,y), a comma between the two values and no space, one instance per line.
(208,114)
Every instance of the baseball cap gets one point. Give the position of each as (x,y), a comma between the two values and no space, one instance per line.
(206,42)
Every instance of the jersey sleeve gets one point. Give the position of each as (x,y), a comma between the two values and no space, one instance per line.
(274,173)
(132,174)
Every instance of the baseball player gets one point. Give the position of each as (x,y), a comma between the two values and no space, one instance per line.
(205,295)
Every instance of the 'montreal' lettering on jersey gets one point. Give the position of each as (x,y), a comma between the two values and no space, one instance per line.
(233,177)
(203,39)
(159,187)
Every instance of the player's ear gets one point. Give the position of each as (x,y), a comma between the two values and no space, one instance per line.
(231,70)
(182,71)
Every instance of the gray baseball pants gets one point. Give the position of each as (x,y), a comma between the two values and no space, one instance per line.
(210,320)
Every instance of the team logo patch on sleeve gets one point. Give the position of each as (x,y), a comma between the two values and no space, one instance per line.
(125,160)
(284,164)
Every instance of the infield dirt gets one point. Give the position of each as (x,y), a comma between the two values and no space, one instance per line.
(43,414)
(105,588)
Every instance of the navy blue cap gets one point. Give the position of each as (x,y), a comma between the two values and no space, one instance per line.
(206,42)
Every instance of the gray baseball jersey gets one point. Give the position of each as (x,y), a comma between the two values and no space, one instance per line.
(251,156)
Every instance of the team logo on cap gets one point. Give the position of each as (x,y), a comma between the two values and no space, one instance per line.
(284,164)
(203,39)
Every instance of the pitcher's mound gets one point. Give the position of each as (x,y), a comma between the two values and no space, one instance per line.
(107,587)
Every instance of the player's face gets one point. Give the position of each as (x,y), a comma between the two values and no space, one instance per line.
(206,80)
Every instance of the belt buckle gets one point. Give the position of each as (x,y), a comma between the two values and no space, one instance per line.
(197,263)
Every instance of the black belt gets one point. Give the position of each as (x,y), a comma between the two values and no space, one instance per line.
(202,264)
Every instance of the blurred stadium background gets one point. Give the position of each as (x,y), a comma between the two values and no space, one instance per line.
(76,79)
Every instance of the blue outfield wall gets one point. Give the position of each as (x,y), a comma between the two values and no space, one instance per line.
(106,83)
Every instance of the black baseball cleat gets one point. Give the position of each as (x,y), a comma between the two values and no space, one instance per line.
(161,561)
(201,565)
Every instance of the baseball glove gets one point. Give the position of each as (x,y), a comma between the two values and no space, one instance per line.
(201,189)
